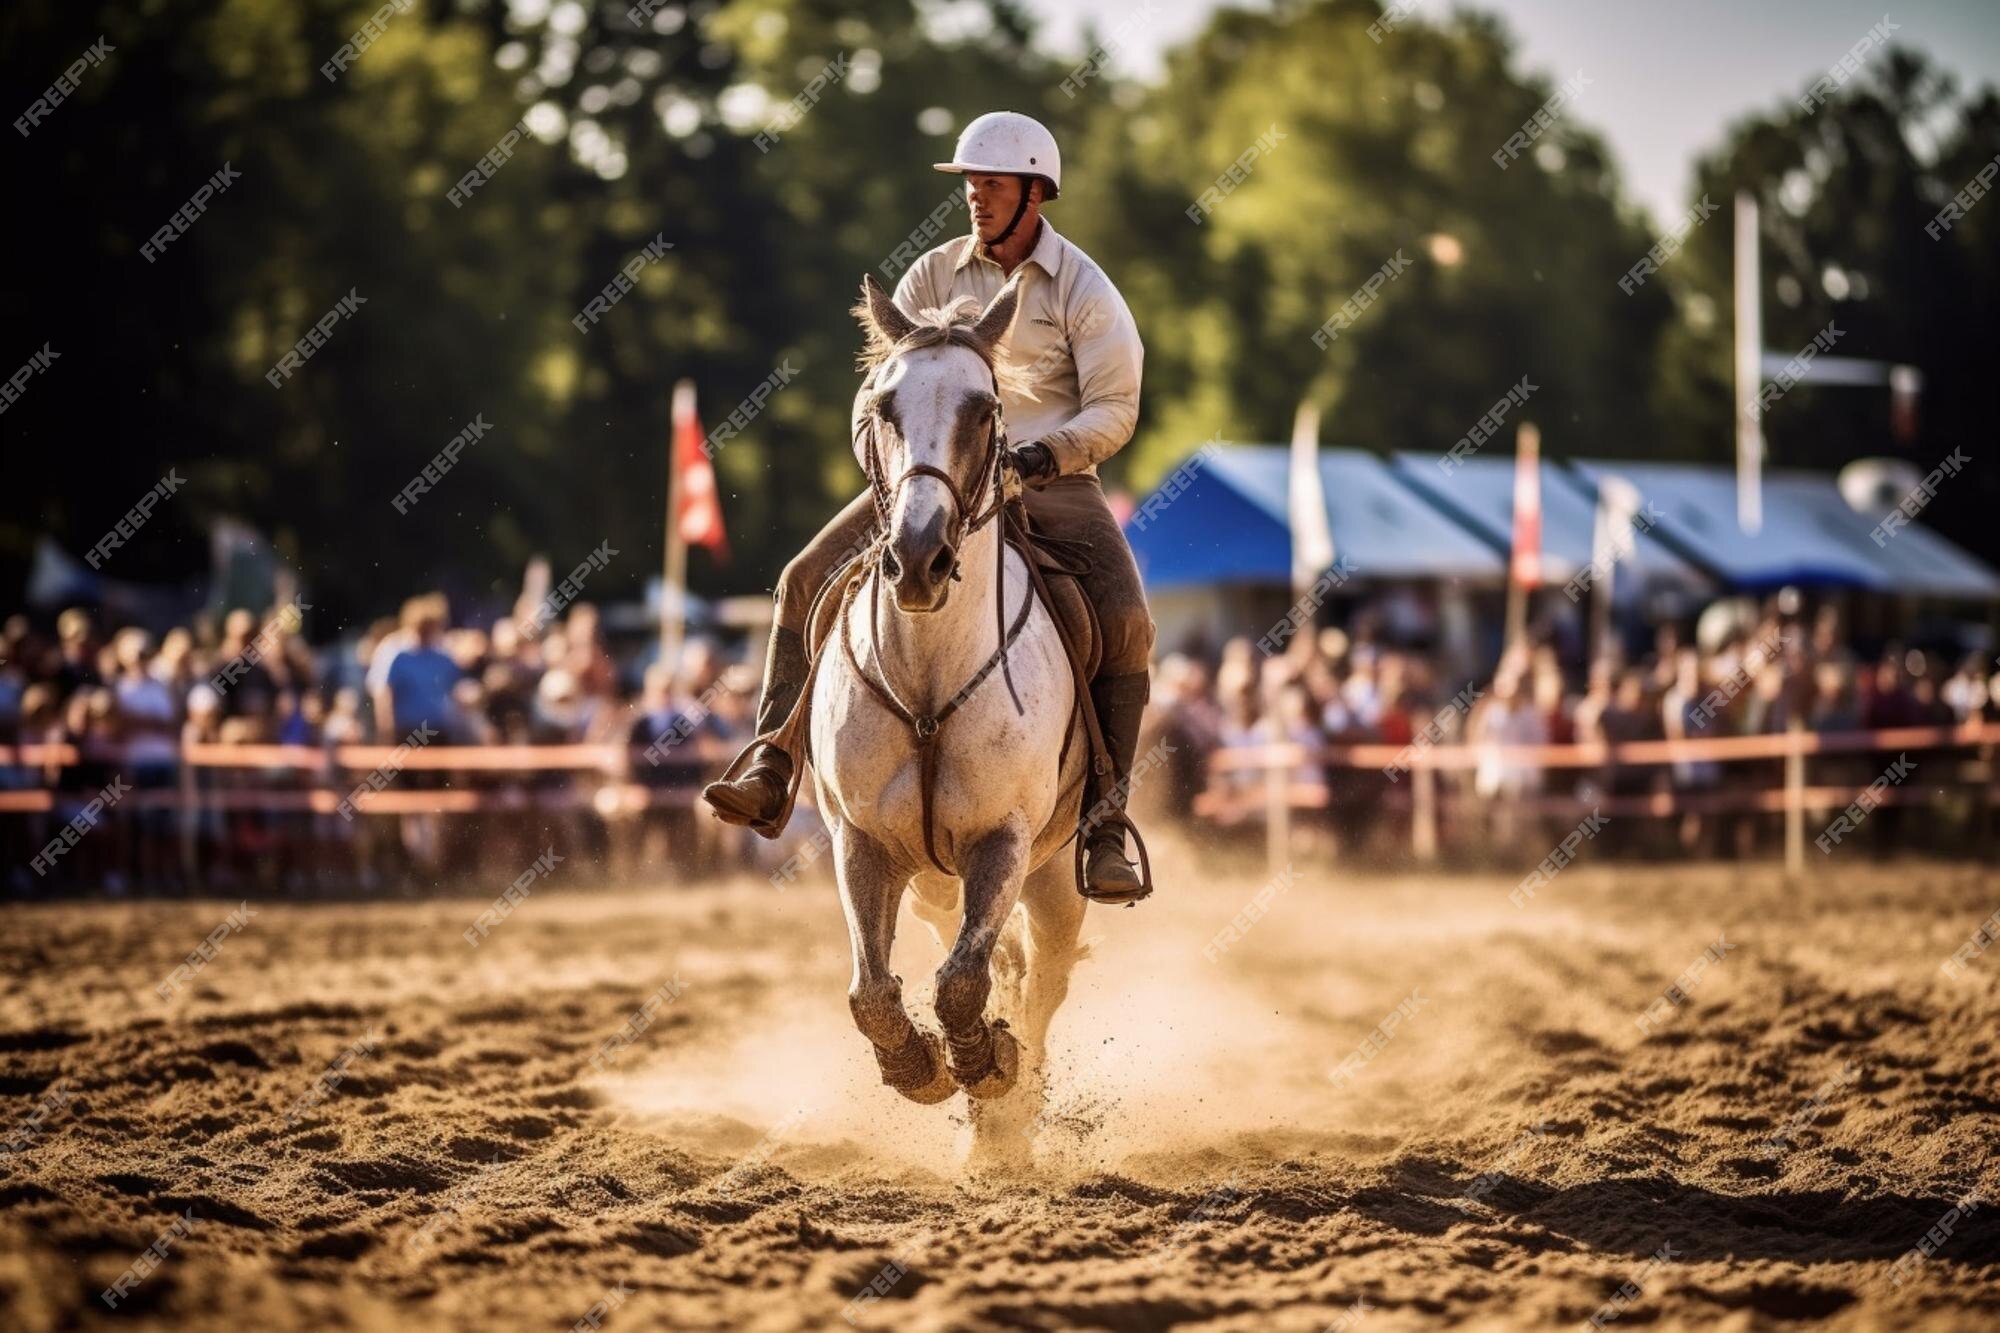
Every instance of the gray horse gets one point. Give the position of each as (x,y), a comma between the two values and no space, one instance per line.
(917,640)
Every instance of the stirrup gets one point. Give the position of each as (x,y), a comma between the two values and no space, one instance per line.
(1116,898)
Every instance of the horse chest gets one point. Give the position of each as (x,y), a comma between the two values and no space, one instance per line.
(991,762)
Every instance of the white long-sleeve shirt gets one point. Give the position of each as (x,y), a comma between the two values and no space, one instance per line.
(1072,336)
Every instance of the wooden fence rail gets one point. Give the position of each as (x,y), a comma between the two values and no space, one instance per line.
(1412,772)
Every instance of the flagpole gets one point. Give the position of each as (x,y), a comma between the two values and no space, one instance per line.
(673,583)
(1312,554)
(1523,564)
(1312,537)
(1617,505)
(1749,368)
(1604,575)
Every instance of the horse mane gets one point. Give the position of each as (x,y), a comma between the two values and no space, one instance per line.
(951,323)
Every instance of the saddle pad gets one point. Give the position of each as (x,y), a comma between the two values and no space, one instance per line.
(1076,615)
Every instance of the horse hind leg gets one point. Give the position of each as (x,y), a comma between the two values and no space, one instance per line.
(1010,970)
(1054,912)
(911,1060)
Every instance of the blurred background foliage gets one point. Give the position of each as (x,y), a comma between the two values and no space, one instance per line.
(652,130)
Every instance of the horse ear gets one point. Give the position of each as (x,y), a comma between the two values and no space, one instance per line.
(993,321)
(879,314)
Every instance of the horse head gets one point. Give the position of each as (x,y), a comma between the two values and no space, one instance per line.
(934,409)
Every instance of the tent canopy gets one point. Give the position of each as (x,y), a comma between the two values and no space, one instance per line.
(1222,518)
(1480,494)
(1227,520)
(1810,536)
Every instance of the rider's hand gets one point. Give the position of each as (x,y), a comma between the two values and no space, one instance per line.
(1035,462)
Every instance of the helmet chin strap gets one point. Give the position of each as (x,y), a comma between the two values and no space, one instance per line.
(1015,221)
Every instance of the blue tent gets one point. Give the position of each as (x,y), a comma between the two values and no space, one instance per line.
(1811,536)
(1479,492)
(1223,518)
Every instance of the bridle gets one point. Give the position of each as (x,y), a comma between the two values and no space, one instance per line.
(988,477)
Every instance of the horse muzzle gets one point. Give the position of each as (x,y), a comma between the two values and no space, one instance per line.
(921,563)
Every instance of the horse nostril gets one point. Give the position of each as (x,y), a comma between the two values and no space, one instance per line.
(941,564)
(891,565)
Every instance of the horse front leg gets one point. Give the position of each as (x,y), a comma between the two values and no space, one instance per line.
(984,1057)
(871,889)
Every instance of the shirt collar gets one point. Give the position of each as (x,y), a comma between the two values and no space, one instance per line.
(1048,251)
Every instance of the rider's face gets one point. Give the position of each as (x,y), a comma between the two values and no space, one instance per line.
(992,200)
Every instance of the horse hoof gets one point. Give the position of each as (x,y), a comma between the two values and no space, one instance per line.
(1001,1072)
(931,1082)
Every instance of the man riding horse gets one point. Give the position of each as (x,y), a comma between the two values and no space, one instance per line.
(1078,355)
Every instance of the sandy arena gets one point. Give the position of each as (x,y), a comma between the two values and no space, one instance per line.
(1511,1154)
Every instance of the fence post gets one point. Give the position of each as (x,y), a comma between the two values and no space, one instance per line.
(190,821)
(1423,810)
(1277,811)
(1795,800)
(1987,759)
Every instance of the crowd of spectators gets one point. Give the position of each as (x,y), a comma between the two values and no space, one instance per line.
(246,681)
(120,706)
(1770,671)
(97,707)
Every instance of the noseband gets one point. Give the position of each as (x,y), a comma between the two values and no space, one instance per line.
(987,475)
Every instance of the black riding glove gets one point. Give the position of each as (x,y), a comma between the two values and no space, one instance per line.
(1035,462)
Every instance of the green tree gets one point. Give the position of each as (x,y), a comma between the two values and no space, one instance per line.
(342,188)
(785,149)
(1847,196)
(1372,154)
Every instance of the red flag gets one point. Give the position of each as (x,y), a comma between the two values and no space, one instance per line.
(1906,383)
(699,510)
(1526,568)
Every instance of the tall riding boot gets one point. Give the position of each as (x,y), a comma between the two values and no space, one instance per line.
(1107,876)
(756,797)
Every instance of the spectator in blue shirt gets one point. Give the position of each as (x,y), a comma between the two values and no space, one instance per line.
(417,687)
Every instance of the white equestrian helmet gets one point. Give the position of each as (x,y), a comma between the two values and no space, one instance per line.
(1007,143)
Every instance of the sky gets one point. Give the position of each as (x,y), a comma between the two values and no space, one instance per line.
(1667,78)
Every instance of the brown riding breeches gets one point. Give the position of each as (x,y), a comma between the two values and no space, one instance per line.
(1071,507)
